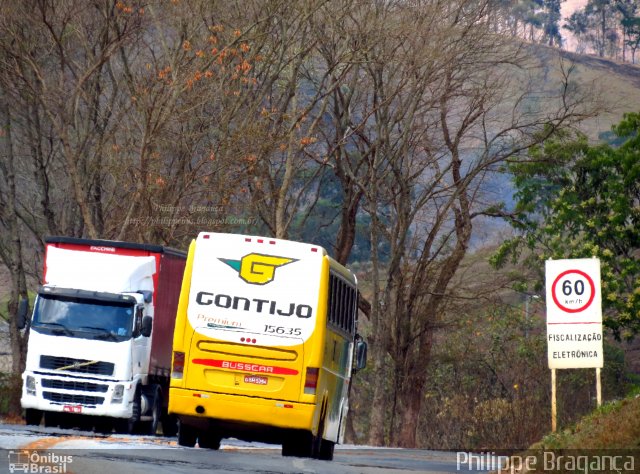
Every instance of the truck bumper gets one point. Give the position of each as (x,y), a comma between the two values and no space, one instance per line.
(87,396)
(240,409)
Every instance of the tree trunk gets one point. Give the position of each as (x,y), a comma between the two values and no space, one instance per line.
(603,32)
(410,404)
(79,191)
(377,416)
(14,258)
(347,231)
(35,133)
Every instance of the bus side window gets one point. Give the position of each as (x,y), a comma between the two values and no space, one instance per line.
(347,309)
(350,310)
(332,299)
(341,304)
(336,307)
(354,323)
(345,304)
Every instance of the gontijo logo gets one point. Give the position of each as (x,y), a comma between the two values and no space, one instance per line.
(256,268)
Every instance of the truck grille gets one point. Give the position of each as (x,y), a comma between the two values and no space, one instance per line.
(73,399)
(74,385)
(76,365)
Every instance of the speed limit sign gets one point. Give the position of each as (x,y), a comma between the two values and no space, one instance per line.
(573,291)
(574,313)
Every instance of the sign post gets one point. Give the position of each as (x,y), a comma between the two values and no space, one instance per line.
(574,318)
(554,405)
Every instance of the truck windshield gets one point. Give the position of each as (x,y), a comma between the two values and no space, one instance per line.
(78,317)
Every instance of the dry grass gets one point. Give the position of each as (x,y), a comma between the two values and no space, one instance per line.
(613,84)
(613,426)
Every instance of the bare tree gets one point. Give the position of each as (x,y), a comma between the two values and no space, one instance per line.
(433,103)
(11,246)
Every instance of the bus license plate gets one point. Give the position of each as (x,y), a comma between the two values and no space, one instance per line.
(72,409)
(255,379)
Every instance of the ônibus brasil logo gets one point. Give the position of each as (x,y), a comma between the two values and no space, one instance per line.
(258,269)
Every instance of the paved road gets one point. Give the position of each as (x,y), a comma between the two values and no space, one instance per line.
(69,451)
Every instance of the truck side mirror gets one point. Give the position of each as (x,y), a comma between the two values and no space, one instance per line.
(23,307)
(147,325)
(147,295)
(361,354)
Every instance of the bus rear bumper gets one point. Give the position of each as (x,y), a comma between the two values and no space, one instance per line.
(199,407)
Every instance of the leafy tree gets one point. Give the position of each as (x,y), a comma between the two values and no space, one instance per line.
(630,27)
(601,11)
(605,26)
(576,200)
(491,377)
(525,18)
(579,24)
(551,21)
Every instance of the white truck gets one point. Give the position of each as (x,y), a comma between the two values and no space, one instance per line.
(99,352)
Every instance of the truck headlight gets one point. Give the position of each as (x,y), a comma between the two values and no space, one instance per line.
(118,393)
(30,385)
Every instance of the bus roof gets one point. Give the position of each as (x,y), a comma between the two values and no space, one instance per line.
(268,241)
(271,241)
(342,271)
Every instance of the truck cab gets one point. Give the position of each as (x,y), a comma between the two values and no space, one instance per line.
(86,352)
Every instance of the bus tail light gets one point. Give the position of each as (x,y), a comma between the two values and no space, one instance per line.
(178,365)
(311,380)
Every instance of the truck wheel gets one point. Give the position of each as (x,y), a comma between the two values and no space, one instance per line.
(130,425)
(186,435)
(156,413)
(103,425)
(67,421)
(85,422)
(32,416)
(51,419)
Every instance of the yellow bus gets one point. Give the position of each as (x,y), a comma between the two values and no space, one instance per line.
(265,345)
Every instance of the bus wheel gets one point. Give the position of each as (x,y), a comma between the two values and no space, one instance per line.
(326,450)
(299,444)
(169,425)
(209,440)
(186,435)
(322,449)
(32,416)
